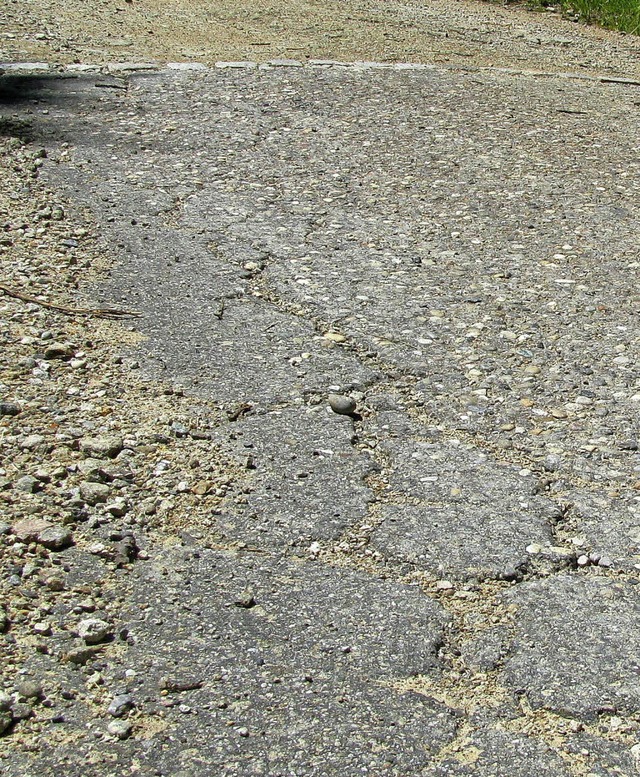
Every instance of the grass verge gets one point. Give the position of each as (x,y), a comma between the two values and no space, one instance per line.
(623,15)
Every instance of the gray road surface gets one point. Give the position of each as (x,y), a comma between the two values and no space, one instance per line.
(443,583)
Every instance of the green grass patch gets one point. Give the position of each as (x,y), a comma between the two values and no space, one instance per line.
(623,15)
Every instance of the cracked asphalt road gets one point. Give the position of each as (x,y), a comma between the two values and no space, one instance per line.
(444,582)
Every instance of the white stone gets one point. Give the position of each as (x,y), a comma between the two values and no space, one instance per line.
(93,630)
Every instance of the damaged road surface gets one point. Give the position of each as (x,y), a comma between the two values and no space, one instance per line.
(442,580)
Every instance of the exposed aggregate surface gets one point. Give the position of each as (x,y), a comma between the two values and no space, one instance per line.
(209,567)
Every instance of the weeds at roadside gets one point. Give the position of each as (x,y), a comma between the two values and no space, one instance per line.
(622,15)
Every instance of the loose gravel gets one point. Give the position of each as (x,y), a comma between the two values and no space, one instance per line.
(96,460)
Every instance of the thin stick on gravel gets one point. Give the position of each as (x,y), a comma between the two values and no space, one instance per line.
(95,312)
(623,81)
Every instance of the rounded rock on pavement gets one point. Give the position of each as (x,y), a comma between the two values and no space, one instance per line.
(341,404)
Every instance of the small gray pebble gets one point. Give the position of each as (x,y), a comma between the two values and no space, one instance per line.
(108,446)
(341,404)
(30,689)
(94,493)
(55,538)
(28,484)
(120,728)
(21,711)
(119,705)
(93,630)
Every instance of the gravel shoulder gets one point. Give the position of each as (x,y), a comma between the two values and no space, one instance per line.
(82,432)
(457,33)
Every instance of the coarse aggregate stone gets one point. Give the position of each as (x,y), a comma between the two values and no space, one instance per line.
(554,666)
(605,758)
(251,676)
(606,524)
(305,479)
(61,554)
(456,511)
(205,566)
(501,753)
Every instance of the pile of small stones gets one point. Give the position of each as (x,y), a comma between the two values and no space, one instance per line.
(95,463)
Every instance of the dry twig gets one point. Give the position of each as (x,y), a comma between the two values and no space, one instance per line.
(95,312)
